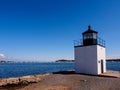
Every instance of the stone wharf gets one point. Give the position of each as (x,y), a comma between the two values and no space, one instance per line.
(90,55)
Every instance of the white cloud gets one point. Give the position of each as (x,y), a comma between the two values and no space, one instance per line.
(2,56)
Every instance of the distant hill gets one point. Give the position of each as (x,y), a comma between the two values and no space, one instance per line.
(113,59)
(64,60)
(3,61)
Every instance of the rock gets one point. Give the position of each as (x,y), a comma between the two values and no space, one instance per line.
(84,80)
(2,82)
(23,80)
(9,81)
(12,81)
(29,79)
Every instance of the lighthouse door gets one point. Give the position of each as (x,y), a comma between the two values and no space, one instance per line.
(102,66)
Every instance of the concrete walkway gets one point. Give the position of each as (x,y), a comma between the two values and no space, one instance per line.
(111,74)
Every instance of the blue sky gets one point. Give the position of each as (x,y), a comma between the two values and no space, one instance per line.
(44,30)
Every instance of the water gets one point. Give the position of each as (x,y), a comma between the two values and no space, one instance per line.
(22,69)
(115,66)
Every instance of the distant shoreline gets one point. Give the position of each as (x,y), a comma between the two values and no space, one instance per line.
(3,61)
(64,60)
(113,60)
(61,60)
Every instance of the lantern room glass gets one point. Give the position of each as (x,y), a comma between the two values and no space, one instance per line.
(90,36)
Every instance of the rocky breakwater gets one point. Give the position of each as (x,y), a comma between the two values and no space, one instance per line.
(23,80)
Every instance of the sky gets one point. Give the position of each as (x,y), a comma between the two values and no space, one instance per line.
(44,30)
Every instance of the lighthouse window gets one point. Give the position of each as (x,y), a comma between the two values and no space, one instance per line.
(94,36)
(88,36)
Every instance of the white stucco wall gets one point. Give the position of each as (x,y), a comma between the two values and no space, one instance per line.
(101,55)
(87,59)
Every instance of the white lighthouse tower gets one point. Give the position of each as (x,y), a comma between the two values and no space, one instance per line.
(90,56)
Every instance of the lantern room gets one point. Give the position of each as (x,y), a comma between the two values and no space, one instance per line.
(89,37)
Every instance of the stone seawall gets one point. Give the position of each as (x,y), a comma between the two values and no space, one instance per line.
(22,80)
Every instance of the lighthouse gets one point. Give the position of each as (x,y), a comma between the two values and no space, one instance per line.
(90,55)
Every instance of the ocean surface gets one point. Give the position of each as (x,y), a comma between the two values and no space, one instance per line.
(22,69)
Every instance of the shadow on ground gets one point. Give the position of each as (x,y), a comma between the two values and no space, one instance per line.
(73,72)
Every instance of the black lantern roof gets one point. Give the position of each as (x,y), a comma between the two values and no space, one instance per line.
(89,31)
